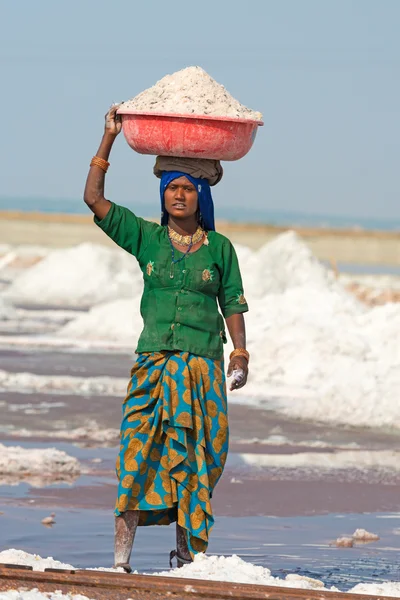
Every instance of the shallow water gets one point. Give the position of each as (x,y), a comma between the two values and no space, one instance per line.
(301,545)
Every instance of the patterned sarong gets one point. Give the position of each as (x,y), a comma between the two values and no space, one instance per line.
(174,442)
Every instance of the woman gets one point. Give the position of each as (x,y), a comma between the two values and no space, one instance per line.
(174,432)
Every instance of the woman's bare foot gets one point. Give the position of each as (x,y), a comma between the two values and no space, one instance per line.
(125,530)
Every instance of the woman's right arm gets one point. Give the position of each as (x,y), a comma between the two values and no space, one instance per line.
(94,188)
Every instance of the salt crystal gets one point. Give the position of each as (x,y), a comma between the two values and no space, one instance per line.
(48,521)
(314,583)
(362,535)
(344,542)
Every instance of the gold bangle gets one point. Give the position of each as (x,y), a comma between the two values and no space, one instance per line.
(240,352)
(100,162)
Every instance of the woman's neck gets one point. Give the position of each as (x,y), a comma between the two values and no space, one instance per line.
(183,226)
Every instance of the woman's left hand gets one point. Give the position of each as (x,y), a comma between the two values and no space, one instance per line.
(238,363)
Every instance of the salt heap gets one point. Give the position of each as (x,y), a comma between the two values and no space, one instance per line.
(316,352)
(190,91)
(48,462)
(116,321)
(77,277)
(286,263)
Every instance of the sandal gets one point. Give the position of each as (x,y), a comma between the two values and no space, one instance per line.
(179,560)
(125,566)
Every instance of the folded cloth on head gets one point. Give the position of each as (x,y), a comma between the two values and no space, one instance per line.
(203,168)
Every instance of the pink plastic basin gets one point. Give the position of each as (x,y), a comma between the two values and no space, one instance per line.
(196,136)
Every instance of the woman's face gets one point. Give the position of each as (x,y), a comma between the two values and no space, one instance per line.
(181,199)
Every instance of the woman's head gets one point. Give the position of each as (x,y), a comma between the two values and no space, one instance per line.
(184,197)
(181,199)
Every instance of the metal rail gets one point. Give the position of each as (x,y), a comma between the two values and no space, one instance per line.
(102,585)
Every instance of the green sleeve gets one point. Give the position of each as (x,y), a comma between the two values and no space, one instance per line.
(230,297)
(126,229)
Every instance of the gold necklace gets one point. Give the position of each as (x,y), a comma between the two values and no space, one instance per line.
(185,240)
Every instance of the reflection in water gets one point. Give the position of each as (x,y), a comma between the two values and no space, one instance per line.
(38,481)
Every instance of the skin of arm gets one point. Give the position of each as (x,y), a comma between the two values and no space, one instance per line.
(94,188)
(237,331)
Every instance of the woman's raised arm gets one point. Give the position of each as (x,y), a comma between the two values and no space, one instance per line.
(94,188)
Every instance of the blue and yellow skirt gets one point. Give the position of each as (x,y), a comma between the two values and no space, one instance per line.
(174,442)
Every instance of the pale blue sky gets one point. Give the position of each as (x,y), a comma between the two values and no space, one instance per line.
(325,74)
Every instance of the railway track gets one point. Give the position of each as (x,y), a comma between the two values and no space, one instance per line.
(99,585)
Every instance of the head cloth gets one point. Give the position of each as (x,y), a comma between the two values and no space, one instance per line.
(206,204)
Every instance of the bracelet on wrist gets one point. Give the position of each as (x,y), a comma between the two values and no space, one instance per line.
(100,162)
(240,352)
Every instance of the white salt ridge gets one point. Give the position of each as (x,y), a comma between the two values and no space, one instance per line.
(342,459)
(282,440)
(89,431)
(48,462)
(80,277)
(205,568)
(29,408)
(190,91)
(61,384)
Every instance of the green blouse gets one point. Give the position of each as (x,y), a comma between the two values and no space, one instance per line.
(180,312)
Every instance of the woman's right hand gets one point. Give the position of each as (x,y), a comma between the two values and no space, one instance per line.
(113,122)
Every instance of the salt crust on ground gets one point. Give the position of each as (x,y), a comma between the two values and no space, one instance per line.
(316,353)
(217,568)
(190,91)
(48,462)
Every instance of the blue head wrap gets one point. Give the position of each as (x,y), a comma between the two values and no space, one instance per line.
(206,204)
